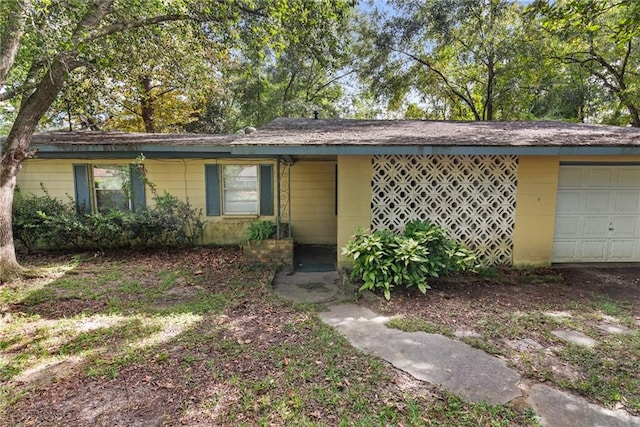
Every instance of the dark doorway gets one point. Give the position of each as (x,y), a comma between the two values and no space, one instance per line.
(315,258)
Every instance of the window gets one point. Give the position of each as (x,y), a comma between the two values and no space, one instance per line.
(99,188)
(108,192)
(239,190)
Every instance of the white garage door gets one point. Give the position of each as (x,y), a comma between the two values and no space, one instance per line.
(598,214)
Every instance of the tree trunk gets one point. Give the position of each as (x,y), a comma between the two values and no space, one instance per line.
(146,106)
(9,267)
(635,115)
(491,77)
(14,151)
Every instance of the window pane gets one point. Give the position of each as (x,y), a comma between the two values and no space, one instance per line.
(107,184)
(107,200)
(240,189)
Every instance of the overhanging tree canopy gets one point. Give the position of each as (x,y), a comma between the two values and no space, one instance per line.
(44,41)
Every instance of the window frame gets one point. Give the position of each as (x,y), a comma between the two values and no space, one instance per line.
(215,189)
(224,187)
(94,189)
(86,198)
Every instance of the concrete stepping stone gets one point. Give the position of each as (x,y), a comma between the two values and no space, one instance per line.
(613,328)
(524,345)
(559,314)
(558,408)
(463,333)
(456,366)
(575,337)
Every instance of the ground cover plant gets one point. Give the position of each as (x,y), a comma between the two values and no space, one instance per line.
(496,310)
(383,259)
(193,337)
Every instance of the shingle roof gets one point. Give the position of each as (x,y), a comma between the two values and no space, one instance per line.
(285,137)
(287,131)
(128,138)
(438,133)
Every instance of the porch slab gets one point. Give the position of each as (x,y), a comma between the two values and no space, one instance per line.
(312,287)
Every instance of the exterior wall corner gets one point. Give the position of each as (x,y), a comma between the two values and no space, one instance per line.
(354,199)
(535,210)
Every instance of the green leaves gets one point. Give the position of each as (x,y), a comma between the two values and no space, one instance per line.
(598,38)
(257,231)
(383,260)
(458,55)
(43,221)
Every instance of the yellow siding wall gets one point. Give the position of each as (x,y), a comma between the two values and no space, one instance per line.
(536,205)
(181,178)
(312,196)
(535,210)
(56,175)
(354,198)
(313,215)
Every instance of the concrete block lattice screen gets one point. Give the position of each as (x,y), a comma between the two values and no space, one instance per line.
(472,196)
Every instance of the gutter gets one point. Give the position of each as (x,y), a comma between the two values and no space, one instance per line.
(68,151)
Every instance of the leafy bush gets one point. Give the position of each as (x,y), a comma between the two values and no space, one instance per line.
(384,260)
(257,231)
(180,224)
(29,217)
(43,221)
(446,255)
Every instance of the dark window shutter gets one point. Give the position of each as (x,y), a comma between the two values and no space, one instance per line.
(138,196)
(266,190)
(212,189)
(82,188)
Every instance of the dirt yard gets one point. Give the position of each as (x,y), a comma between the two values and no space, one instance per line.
(461,302)
(193,337)
(502,312)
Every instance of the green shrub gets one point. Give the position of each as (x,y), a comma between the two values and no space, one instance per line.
(66,229)
(257,231)
(384,260)
(30,212)
(446,255)
(178,222)
(43,221)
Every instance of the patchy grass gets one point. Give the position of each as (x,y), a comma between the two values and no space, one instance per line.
(193,337)
(503,307)
(609,372)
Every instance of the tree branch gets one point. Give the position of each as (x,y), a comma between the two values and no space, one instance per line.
(625,61)
(97,11)
(333,80)
(12,92)
(11,36)
(114,28)
(456,92)
(166,91)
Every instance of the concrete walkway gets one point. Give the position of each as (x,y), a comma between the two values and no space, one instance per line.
(454,365)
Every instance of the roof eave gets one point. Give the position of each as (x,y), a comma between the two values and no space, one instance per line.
(217,151)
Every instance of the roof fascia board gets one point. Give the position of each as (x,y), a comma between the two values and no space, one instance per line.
(435,150)
(134,154)
(210,151)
